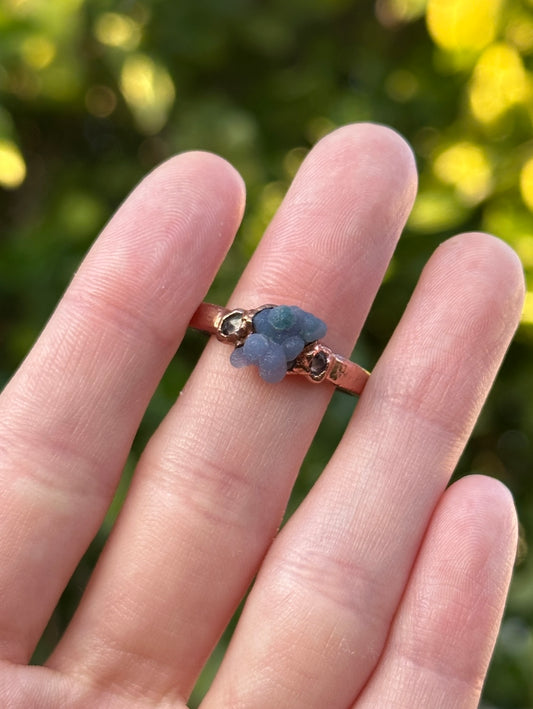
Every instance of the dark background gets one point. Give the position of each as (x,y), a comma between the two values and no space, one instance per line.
(95,93)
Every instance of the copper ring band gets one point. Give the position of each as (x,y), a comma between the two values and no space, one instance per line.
(316,362)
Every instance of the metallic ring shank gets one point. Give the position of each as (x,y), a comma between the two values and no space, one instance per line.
(208,318)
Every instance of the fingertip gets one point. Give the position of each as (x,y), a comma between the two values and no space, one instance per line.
(483,503)
(189,207)
(382,149)
(473,285)
(481,251)
(447,623)
(369,134)
(208,173)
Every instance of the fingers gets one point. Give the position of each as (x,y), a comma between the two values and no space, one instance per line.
(68,417)
(210,490)
(317,620)
(444,632)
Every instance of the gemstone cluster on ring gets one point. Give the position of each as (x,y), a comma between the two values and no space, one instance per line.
(278,335)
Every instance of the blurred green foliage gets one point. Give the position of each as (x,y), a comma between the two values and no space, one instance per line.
(93,93)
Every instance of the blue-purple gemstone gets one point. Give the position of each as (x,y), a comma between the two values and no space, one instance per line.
(280,334)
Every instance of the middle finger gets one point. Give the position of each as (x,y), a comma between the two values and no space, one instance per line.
(212,485)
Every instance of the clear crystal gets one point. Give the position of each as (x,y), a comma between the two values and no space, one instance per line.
(318,364)
(231,324)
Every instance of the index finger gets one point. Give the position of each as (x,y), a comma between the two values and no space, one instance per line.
(68,417)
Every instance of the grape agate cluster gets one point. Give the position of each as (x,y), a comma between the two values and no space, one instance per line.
(279,335)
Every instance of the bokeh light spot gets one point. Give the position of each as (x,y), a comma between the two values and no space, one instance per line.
(80,214)
(101,101)
(24,8)
(499,81)
(463,26)
(12,165)
(526,183)
(148,90)
(527,312)
(524,248)
(466,167)
(117,30)
(318,127)
(507,217)
(38,51)
(435,210)
(519,32)
(393,12)
(292,161)
(401,85)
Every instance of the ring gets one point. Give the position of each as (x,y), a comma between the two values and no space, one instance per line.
(279,340)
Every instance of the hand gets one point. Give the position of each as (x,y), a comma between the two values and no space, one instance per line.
(385,589)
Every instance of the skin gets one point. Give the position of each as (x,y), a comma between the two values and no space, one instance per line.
(386,588)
